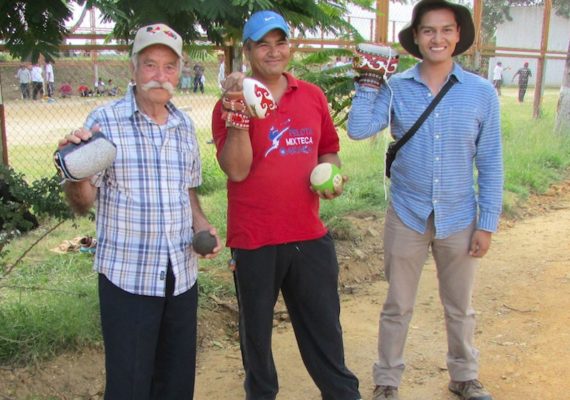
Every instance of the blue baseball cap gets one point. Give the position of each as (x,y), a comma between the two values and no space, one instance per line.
(262,22)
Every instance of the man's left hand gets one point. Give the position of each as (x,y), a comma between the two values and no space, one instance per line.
(329,195)
(480,243)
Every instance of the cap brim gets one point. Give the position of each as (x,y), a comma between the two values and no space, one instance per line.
(260,33)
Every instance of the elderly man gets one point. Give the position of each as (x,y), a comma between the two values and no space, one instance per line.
(147,211)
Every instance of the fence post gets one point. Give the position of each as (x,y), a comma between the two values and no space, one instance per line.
(3,142)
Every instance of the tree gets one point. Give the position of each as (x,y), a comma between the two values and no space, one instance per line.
(31,27)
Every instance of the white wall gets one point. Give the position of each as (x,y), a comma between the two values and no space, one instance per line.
(525,31)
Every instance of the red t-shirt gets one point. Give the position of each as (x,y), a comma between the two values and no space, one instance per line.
(274,204)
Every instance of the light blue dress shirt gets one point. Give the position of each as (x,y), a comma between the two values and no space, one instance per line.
(435,170)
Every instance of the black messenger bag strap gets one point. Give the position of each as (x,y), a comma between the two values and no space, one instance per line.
(398,144)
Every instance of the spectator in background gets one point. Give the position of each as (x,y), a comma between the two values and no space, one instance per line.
(186,77)
(112,89)
(65,90)
(198,77)
(84,91)
(221,70)
(50,79)
(498,76)
(37,81)
(523,73)
(100,87)
(24,77)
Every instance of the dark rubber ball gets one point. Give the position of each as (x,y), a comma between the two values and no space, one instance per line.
(203,242)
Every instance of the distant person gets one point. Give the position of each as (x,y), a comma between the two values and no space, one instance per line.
(37,81)
(221,70)
(84,91)
(498,77)
(24,77)
(198,77)
(112,89)
(523,73)
(50,79)
(65,90)
(186,77)
(100,87)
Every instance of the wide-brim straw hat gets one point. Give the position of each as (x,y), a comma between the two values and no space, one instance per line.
(464,21)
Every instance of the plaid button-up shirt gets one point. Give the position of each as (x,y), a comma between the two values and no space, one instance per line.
(144,218)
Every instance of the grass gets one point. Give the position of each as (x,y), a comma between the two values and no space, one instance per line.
(48,304)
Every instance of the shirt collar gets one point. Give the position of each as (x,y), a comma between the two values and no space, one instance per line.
(414,73)
(292,82)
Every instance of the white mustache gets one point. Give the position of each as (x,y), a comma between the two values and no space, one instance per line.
(157,85)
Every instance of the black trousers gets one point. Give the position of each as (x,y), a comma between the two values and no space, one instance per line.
(37,88)
(150,343)
(25,89)
(307,275)
(522,92)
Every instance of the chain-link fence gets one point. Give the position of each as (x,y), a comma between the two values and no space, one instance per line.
(33,127)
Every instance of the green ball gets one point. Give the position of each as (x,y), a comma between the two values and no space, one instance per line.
(203,242)
(326,176)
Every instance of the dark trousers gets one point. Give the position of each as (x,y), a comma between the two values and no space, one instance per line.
(50,89)
(25,89)
(198,83)
(37,88)
(150,343)
(522,92)
(307,275)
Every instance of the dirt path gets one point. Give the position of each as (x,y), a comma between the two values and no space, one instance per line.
(522,299)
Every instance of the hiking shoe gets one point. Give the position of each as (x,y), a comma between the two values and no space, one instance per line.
(469,390)
(382,392)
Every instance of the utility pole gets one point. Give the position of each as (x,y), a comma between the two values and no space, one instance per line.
(542,60)
(382,18)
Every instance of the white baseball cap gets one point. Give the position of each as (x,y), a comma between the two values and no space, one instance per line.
(157,34)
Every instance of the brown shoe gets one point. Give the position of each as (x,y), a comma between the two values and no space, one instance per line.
(382,392)
(469,390)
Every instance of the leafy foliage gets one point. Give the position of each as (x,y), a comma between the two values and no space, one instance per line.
(21,204)
(337,82)
(31,27)
(222,20)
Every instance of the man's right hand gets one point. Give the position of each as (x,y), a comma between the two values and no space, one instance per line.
(77,136)
(234,82)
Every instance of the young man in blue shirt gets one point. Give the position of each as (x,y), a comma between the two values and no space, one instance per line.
(433,198)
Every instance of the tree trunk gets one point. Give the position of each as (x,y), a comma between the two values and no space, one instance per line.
(563,110)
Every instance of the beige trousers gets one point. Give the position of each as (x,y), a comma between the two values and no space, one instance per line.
(405,252)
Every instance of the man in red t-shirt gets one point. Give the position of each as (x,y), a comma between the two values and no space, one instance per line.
(277,239)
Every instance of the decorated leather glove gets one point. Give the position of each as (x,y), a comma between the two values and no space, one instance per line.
(254,101)
(373,62)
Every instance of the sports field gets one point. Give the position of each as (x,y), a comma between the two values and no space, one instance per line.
(34,127)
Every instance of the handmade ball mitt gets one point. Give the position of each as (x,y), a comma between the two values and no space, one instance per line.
(76,162)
